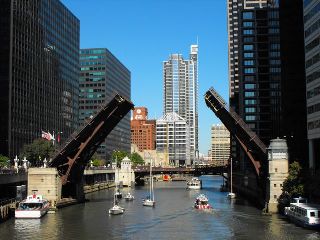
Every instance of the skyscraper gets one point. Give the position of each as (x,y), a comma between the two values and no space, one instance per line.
(312,51)
(102,76)
(180,79)
(266,71)
(39,56)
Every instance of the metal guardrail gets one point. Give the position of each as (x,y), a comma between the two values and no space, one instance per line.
(12,171)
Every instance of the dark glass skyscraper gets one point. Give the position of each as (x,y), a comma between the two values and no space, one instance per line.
(266,71)
(39,59)
(102,76)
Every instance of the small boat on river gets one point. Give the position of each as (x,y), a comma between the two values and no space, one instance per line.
(34,206)
(116,209)
(202,202)
(303,213)
(128,197)
(194,183)
(150,201)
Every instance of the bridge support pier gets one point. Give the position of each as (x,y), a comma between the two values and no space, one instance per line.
(45,181)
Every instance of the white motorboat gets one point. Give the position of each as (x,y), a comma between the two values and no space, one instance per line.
(149,201)
(116,209)
(202,202)
(194,183)
(128,197)
(303,214)
(34,206)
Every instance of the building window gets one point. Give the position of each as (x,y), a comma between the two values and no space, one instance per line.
(249,86)
(250,110)
(249,70)
(248,55)
(249,63)
(248,24)
(248,39)
(247,47)
(250,118)
(247,32)
(249,94)
(250,102)
(275,196)
(247,15)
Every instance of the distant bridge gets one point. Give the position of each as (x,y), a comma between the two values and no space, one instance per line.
(198,170)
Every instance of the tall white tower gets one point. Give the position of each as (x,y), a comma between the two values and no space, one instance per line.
(180,80)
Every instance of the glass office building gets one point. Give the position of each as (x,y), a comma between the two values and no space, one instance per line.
(102,75)
(39,59)
(266,72)
(180,79)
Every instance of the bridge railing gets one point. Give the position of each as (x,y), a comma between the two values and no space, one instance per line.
(7,201)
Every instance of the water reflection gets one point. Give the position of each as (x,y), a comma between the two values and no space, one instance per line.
(172,218)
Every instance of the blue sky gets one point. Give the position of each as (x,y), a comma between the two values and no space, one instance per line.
(142,34)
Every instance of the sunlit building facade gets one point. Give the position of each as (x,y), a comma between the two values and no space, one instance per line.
(220,145)
(180,79)
(173,138)
(143,130)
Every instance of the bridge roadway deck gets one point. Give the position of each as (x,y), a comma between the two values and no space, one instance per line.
(11,176)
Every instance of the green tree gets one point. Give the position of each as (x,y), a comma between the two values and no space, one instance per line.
(96,160)
(117,156)
(136,159)
(4,161)
(293,185)
(37,151)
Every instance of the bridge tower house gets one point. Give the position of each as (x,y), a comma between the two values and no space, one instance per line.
(278,172)
(125,175)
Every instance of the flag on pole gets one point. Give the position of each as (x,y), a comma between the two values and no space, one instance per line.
(58,137)
(47,135)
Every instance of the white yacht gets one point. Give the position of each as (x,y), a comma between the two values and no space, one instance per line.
(34,206)
(116,209)
(194,183)
(304,214)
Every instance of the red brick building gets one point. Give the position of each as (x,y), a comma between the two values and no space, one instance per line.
(143,131)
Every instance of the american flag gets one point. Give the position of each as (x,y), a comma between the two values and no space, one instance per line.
(47,135)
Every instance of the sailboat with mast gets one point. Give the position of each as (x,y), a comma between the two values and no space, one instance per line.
(116,209)
(231,194)
(149,201)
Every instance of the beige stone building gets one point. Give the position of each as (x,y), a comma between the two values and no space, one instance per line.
(220,145)
(159,158)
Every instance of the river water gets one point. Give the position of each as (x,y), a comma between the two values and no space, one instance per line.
(172,218)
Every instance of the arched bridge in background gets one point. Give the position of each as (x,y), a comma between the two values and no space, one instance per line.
(74,155)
